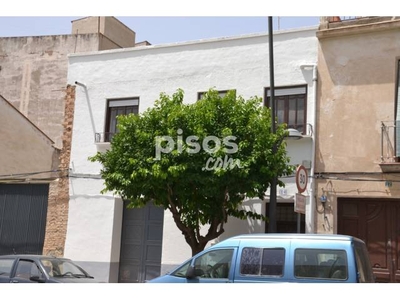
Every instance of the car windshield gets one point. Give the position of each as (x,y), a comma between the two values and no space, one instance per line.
(56,267)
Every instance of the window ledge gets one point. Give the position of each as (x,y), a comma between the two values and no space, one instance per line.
(391,167)
(103,146)
(307,137)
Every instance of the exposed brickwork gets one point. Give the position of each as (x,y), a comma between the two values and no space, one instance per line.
(57,211)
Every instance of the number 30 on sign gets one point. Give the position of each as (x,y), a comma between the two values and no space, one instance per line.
(301,178)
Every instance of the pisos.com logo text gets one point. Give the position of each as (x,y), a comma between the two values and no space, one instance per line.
(210,144)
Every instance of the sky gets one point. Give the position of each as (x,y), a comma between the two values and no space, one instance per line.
(160,21)
(158,30)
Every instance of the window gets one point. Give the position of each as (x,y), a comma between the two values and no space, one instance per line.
(62,268)
(222,94)
(320,263)
(214,264)
(181,272)
(26,269)
(6,266)
(397,92)
(258,261)
(115,108)
(290,106)
(286,218)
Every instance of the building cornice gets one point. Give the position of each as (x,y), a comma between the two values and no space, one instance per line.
(344,28)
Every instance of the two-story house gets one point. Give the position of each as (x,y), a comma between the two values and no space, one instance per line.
(133,245)
(357,145)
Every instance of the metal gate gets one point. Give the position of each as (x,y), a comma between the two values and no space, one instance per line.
(377,222)
(23,211)
(141,244)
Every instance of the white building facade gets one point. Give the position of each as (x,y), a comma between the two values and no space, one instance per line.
(113,243)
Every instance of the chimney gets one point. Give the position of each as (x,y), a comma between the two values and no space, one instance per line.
(114,34)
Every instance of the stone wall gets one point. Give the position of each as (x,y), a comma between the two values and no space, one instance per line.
(57,210)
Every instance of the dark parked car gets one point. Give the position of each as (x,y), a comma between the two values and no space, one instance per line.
(38,268)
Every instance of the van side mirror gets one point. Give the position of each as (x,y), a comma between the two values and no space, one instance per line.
(192,272)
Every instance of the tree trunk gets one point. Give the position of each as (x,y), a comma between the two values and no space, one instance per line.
(197,248)
(195,240)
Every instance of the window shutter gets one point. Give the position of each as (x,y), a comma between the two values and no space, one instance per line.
(288,91)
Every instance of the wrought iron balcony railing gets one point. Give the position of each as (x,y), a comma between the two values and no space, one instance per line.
(388,142)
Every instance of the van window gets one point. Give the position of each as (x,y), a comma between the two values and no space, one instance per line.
(321,263)
(181,271)
(214,264)
(259,261)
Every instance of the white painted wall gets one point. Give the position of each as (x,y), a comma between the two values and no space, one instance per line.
(240,63)
(94,228)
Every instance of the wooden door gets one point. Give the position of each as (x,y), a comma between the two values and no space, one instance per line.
(377,222)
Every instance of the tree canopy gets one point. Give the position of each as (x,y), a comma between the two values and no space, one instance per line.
(200,160)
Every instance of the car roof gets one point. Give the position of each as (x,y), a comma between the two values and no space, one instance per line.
(235,240)
(307,236)
(31,256)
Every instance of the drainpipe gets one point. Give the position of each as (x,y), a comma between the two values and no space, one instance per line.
(310,213)
(81,84)
(397,122)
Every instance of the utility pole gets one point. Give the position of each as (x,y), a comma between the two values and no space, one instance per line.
(272,198)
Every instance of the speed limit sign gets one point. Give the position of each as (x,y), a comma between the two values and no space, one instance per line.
(301,178)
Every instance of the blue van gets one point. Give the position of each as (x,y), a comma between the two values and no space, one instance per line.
(277,258)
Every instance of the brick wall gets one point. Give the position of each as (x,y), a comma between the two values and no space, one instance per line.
(57,210)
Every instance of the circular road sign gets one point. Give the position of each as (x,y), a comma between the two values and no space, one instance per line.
(301,178)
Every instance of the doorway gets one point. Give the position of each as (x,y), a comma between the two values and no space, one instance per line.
(377,223)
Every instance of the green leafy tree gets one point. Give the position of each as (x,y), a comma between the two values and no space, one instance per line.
(200,161)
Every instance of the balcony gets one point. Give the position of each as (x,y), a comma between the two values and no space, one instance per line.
(335,22)
(390,147)
(102,141)
(341,26)
(103,137)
